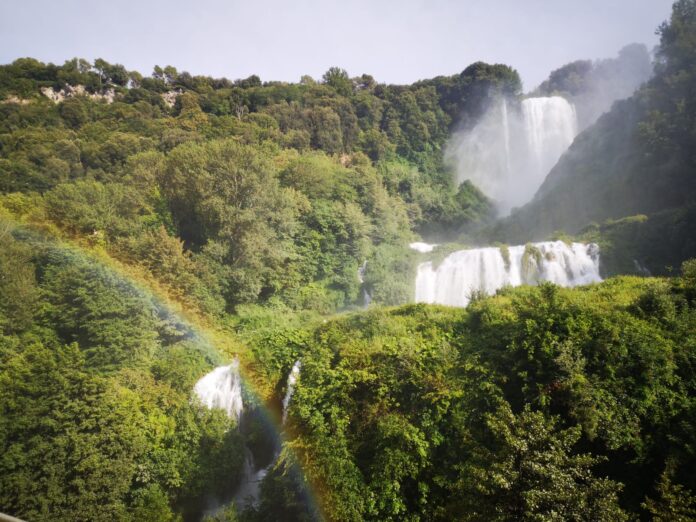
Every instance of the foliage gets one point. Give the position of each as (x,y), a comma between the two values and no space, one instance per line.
(541,403)
(96,421)
(262,208)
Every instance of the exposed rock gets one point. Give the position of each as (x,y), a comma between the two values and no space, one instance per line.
(79,90)
(170,97)
(16,100)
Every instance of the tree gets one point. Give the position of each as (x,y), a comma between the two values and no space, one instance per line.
(339,80)
(90,207)
(113,322)
(115,74)
(674,503)
(69,441)
(524,468)
(74,112)
(227,193)
(18,289)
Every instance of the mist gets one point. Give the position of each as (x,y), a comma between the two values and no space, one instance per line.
(509,151)
(513,146)
(593,87)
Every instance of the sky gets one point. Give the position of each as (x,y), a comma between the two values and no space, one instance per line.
(396,41)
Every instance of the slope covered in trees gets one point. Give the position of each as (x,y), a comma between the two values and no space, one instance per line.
(217,196)
(96,421)
(278,191)
(539,404)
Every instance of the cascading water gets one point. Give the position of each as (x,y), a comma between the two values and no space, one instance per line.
(222,388)
(550,127)
(290,387)
(488,269)
(367,298)
(509,152)
(249,489)
(421,247)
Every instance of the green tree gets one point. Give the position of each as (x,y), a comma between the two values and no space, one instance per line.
(226,192)
(525,469)
(339,80)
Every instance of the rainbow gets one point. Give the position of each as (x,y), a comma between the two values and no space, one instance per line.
(216,343)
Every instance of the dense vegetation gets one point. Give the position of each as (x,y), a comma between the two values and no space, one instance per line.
(96,421)
(133,207)
(637,160)
(539,404)
(279,192)
(219,197)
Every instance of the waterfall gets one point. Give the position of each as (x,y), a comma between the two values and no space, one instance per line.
(361,272)
(506,133)
(489,269)
(512,148)
(250,487)
(366,297)
(222,388)
(550,127)
(421,247)
(290,387)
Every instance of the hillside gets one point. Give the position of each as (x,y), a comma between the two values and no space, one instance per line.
(207,296)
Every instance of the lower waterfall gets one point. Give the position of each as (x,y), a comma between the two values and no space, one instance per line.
(290,388)
(222,388)
(488,269)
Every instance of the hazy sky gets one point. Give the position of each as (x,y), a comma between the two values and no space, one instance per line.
(397,41)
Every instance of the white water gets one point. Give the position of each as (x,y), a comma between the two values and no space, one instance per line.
(421,247)
(485,269)
(249,489)
(512,149)
(550,127)
(222,388)
(248,492)
(366,297)
(290,387)
(361,272)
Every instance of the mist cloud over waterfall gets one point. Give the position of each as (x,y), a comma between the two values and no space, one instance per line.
(508,153)
(593,86)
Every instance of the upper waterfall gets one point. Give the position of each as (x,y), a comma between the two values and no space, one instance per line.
(222,388)
(509,152)
(550,125)
(488,269)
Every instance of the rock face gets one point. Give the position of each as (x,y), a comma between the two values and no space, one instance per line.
(170,97)
(78,90)
(15,100)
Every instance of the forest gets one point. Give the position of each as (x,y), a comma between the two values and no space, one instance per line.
(153,228)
